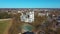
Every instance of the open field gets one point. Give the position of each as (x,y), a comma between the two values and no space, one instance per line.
(4,23)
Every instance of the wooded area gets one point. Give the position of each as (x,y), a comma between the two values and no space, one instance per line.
(4,15)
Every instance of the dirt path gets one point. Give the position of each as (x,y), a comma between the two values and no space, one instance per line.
(5,19)
(7,28)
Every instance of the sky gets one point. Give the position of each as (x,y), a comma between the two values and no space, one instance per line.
(29,3)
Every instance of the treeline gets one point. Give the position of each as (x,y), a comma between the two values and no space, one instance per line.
(4,15)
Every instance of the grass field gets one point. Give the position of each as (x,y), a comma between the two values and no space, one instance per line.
(3,25)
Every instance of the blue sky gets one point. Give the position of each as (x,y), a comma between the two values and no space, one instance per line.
(29,3)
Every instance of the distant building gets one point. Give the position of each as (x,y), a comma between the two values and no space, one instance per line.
(19,11)
(41,14)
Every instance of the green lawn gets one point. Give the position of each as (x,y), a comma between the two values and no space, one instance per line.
(3,25)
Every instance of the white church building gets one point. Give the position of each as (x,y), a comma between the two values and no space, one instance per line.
(28,17)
